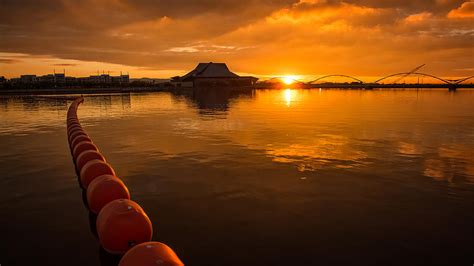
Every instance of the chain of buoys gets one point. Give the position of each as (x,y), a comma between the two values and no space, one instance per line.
(122,225)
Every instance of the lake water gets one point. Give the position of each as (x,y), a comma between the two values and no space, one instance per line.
(269,177)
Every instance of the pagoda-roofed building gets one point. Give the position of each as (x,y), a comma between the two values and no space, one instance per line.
(213,75)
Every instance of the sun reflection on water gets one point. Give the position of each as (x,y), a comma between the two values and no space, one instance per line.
(289,95)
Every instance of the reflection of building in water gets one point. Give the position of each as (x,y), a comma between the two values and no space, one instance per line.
(126,101)
(213,75)
(214,99)
(120,101)
(103,101)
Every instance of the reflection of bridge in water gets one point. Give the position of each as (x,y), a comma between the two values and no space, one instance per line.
(357,83)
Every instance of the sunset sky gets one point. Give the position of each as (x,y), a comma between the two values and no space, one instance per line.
(162,38)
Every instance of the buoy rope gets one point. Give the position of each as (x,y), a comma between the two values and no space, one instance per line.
(95,175)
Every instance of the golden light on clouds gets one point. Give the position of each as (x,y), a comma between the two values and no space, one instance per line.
(465,11)
(306,37)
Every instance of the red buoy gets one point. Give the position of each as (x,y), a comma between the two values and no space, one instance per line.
(71,122)
(75,134)
(150,253)
(74,128)
(104,189)
(78,139)
(87,156)
(83,146)
(93,169)
(122,224)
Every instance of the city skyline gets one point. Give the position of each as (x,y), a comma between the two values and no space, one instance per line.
(271,38)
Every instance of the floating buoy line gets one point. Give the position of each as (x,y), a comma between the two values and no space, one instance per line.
(122,225)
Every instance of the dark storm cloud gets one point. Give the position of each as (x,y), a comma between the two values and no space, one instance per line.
(104,13)
(66,27)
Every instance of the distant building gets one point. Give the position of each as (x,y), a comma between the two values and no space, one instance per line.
(46,78)
(212,75)
(70,80)
(28,78)
(3,79)
(121,79)
(149,80)
(61,78)
(105,79)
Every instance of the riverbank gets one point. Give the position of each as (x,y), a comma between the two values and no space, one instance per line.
(105,90)
(75,90)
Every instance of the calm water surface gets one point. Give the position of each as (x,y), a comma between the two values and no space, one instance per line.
(287,177)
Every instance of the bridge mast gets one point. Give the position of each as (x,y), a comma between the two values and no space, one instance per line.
(409,73)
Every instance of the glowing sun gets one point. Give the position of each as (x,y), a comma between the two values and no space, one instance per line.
(288,79)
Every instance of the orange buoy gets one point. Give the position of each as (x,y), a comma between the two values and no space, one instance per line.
(71,121)
(104,189)
(73,124)
(87,156)
(74,128)
(78,139)
(83,146)
(71,127)
(150,253)
(122,224)
(75,134)
(93,169)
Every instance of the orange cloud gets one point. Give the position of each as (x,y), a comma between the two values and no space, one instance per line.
(466,10)
(420,17)
(307,37)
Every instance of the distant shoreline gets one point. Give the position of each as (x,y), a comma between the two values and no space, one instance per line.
(99,90)
(36,91)
(131,89)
